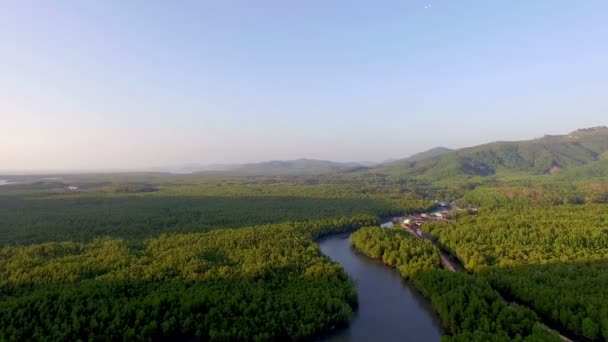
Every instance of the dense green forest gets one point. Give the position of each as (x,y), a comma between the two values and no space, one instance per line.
(397,249)
(258,283)
(552,258)
(468,306)
(534,194)
(472,311)
(232,256)
(31,215)
(146,257)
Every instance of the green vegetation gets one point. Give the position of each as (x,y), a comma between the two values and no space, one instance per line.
(539,156)
(545,194)
(552,258)
(397,249)
(468,306)
(594,170)
(428,154)
(472,311)
(114,260)
(231,256)
(258,283)
(33,216)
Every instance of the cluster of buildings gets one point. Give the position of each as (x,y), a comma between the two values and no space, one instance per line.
(414,222)
(418,220)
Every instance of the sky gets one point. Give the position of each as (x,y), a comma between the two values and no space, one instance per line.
(89,85)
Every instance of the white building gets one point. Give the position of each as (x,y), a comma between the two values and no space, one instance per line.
(387,225)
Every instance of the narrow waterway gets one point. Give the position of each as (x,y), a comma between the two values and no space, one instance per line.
(389,308)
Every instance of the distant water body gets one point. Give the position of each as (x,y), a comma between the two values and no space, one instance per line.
(389,308)
(5,182)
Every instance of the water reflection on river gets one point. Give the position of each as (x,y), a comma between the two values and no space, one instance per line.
(389,309)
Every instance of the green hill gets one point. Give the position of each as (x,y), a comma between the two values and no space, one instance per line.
(432,153)
(550,154)
(595,170)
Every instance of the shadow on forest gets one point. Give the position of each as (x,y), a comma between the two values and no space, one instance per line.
(137,217)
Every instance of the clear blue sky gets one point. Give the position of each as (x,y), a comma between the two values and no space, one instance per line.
(134,84)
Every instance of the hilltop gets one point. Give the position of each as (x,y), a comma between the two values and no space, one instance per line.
(581,153)
(432,153)
(550,154)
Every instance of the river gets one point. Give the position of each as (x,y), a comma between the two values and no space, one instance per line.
(389,308)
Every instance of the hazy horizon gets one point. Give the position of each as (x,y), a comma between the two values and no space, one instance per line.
(200,166)
(140,85)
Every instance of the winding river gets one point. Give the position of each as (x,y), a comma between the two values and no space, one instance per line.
(389,308)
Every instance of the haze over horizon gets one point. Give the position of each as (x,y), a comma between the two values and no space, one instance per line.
(113,85)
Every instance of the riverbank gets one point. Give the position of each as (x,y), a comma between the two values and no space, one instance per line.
(469,308)
(451,263)
(390,309)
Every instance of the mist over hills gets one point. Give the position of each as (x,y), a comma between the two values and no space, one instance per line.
(275,167)
(295,166)
(581,152)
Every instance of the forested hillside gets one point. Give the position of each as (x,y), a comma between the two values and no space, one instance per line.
(428,154)
(547,155)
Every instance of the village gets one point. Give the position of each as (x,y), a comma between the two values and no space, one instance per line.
(413,223)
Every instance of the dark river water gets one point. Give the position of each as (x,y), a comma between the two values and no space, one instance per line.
(389,308)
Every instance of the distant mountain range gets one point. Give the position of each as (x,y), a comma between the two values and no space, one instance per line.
(276,167)
(550,154)
(298,166)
